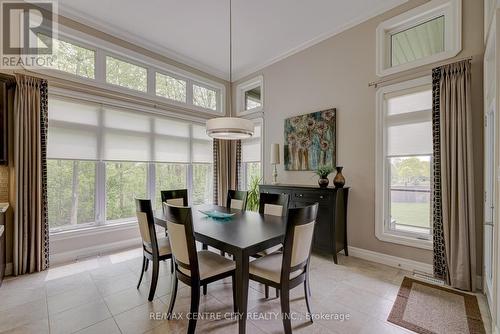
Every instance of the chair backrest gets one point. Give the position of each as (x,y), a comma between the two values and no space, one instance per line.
(273,204)
(145,218)
(177,197)
(182,241)
(237,200)
(298,239)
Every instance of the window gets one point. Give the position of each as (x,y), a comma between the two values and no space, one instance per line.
(169,177)
(122,73)
(100,158)
(71,192)
(71,58)
(204,97)
(249,96)
(404,163)
(251,158)
(170,87)
(125,181)
(424,35)
(107,65)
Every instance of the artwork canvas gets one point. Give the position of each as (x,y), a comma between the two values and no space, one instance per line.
(310,141)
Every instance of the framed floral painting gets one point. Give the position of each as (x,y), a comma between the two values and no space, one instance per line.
(310,141)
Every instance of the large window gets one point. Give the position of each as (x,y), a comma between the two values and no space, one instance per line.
(100,158)
(204,97)
(170,87)
(404,163)
(251,156)
(423,35)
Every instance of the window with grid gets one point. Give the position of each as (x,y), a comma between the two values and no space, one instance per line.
(100,158)
(251,157)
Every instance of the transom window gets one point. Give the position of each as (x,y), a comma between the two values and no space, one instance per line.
(100,158)
(404,163)
(122,73)
(426,34)
(130,73)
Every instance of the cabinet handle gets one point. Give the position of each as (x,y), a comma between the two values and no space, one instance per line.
(321,197)
(299,195)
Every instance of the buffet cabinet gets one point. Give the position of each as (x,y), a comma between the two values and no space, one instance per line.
(330,232)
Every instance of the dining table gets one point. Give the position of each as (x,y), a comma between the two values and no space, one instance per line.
(244,234)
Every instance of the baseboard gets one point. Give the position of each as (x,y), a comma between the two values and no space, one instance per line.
(390,260)
(78,254)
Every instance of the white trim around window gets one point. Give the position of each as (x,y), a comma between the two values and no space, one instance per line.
(451,10)
(240,95)
(382,231)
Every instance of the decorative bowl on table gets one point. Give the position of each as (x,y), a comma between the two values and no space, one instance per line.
(217,214)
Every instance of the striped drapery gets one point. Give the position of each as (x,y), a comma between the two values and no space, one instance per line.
(227,168)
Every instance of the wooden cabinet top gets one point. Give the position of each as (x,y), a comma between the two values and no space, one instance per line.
(300,186)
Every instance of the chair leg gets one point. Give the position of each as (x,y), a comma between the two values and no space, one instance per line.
(173,295)
(285,309)
(277,293)
(306,293)
(204,289)
(266,291)
(195,302)
(235,302)
(147,265)
(154,279)
(171,265)
(144,261)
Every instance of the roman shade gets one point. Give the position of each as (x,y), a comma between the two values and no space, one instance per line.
(81,130)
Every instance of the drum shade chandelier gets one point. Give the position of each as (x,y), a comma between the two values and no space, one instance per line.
(230,128)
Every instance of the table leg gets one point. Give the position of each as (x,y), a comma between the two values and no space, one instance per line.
(242,288)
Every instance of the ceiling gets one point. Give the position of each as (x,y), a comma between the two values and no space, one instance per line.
(196,32)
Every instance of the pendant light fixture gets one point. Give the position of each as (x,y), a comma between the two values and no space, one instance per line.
(230,128)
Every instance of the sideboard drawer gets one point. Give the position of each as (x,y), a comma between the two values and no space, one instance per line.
(310,196)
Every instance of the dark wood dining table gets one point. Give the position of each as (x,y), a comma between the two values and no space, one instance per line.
(243,235)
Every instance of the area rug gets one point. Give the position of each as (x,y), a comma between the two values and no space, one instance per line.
(430,309)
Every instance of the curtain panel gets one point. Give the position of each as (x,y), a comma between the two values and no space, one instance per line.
(457,175)
(227,168)
(440,267)
(30,238)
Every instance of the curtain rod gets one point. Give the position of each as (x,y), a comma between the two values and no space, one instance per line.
(378,82)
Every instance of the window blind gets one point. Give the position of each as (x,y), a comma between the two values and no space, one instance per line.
(86,131)
(410,139)
(250,148)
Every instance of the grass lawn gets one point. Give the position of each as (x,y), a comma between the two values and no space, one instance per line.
(414,214)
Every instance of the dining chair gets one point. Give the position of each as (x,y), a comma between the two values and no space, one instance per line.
(193,268)
(289,269)
(237,199)
(274,205)
(154,248)
(178,197)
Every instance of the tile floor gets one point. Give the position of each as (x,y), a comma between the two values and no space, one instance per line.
(99,295)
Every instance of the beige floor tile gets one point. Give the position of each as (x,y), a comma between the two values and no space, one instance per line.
(107,326)
(138,319)
(85,294)
(68,283)
(40,326)
(11,297)
(111,285)
(79,318)
(23,314)
(125,300)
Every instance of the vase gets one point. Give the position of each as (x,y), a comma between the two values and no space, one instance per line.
(323,182)
(339,180)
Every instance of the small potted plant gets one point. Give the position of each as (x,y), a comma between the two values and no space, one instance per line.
(323,172)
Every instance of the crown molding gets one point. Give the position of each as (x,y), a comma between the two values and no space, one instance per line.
(142,42)
(238,75)
(186,60)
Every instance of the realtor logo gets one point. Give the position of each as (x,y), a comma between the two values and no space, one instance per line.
(27,31)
